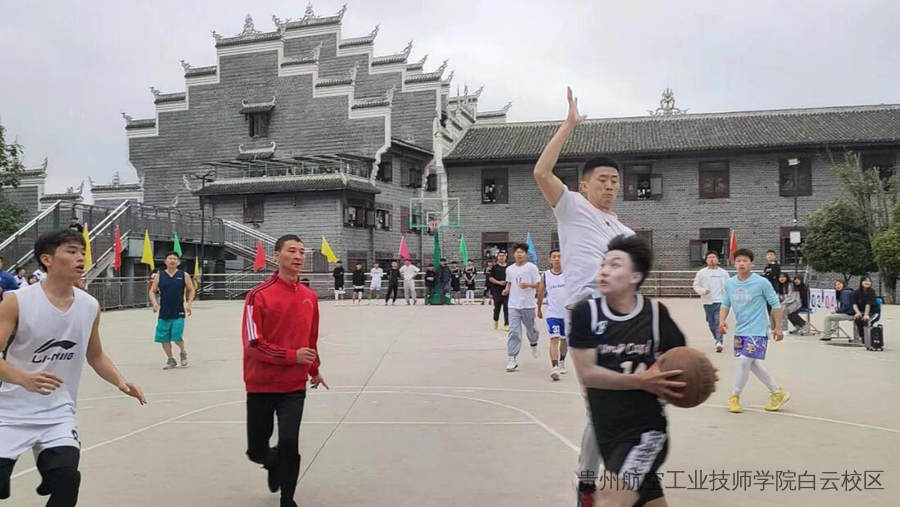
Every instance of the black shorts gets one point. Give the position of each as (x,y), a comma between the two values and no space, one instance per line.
(635,460)
(338,286)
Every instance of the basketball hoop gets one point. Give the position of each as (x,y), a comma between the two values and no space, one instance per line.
(433,225)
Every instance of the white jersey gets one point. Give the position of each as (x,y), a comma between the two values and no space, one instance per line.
(376,274)
(584,236)
(555,286)
(519,298)
(50,340)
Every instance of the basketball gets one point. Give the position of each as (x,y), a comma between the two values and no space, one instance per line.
(697,372)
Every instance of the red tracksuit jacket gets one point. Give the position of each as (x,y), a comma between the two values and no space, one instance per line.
(279,318)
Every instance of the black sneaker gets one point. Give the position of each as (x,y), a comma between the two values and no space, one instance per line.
(273,471)
(586,492)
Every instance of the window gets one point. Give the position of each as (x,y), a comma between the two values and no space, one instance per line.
(254,209)
(411,177)
(355,257)
(404,219)
(382,219)
(493,243)
(641,184)
(554,241)
(791,254)
(494,186)
(258,123)
(884,162)
(711,240)
(786,177)
(714,180)
(385,170)
(431,183)
(354,215)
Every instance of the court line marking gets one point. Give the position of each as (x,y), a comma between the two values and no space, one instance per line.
(140,430)
(386,423)
(809,417)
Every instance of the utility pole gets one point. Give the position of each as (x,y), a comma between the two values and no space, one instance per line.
(203,178)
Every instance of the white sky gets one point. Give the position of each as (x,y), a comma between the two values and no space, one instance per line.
(69,68)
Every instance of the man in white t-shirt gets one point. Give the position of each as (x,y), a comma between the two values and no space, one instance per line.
(409,272)
(376,273)
(586,223)
(710,285)
(553,287)
(522,279)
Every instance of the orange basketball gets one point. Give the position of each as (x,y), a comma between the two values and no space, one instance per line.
(697,372)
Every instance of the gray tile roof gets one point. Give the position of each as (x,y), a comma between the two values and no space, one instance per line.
(116,188)
(370,102)
(248,38)
(200,71)
(750,130)
(141,124)
(338,81)
(281,184)
(170,97)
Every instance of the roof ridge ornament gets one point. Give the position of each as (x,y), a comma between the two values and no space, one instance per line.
(281,24)
(249,29)
(185,65)
(374,31)
(340,13)
(407,49)
(478,91)
(450,76)
(667,105)
(309,13)
(422,61)
(156,93)
(217,36)
(128,119)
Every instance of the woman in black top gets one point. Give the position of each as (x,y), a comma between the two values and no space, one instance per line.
(802,291)
(338,275)
(863,302)
(359,284)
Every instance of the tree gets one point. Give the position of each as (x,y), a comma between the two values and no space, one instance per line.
(874,192)
(886,247)
(10,172)
(837,241)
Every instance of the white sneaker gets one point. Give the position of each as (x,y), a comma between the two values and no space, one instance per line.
(534,353)
(512,364)
(718,347)
(554,373)
(562,368)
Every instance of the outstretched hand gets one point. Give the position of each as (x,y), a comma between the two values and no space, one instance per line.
(574,117)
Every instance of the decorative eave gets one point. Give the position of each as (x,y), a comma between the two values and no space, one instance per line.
(262,153)
(256,107)
(360,41)
(249,35)
(35,172)
(417,65)
(348,80)
(312,57)
(132,124)
(122,187)
(408,146)
(283,184)
(428,76)
(394,58)
(366,102)
(163,98)
(468,96)
(496,113)
(190,71)
(310,19)
(71,194)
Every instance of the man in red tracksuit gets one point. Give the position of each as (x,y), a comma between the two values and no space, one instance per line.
(281,327)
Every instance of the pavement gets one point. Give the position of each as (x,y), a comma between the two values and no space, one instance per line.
(422,412)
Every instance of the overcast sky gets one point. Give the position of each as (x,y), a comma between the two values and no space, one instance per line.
(69,68)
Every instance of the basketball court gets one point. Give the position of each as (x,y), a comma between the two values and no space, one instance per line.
(421,412)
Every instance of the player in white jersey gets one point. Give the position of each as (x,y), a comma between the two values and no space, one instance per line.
(553,285)
(586,224)
(56,329)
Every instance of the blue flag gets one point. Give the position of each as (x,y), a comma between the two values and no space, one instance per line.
(532,252)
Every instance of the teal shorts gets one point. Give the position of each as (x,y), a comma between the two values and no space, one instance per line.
(169,330)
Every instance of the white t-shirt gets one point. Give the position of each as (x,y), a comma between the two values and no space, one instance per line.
(39,274)
(409,272)
(555,286)
(584,236)
(522,298)
(712,280)
(47,340)
(376,273)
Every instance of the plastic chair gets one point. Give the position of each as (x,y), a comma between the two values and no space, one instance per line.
(808,328)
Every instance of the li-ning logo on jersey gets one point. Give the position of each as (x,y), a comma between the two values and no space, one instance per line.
(600,327)
(41,355)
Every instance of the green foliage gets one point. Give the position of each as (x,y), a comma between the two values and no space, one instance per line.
(837,241)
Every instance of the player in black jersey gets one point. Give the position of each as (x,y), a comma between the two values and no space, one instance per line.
(615,341)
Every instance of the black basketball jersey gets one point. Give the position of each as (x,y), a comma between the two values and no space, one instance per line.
(625,344)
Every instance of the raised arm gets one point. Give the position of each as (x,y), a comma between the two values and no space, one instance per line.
(551,186)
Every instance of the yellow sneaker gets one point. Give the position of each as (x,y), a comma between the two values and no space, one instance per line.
(506,327)
(734,404)
(777,400)
(496,325)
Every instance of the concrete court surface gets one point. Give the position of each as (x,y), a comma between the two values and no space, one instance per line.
(421,412)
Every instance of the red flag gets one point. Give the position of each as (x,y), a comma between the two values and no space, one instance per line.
(260,261)
(117,249)
(732,246)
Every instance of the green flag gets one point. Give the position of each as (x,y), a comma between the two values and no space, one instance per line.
(463,250)
(177,244)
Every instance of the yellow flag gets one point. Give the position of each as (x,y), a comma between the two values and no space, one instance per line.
(147,256)
(196,273)
(327,252)
(88,258)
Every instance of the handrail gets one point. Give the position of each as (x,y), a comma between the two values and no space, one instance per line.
(109,219)
(31,223)
(249,231)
